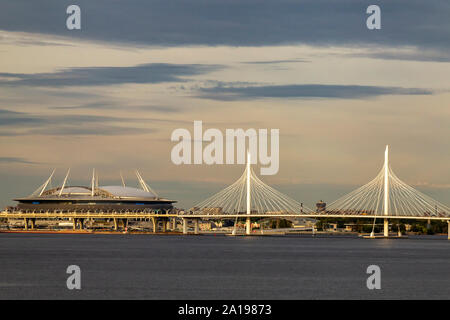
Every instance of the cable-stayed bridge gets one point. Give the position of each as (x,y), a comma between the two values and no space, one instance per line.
(386,197)
(260,198)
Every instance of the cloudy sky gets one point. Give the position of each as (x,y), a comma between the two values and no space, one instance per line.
(109,95)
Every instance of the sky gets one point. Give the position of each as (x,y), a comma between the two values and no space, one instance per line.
(109,96)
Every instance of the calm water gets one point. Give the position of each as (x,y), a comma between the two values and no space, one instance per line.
(217,267)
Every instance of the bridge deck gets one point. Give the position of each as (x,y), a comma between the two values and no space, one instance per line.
(106,215)
(309,215)
(100,215)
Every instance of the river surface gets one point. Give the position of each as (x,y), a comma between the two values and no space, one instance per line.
(33,266)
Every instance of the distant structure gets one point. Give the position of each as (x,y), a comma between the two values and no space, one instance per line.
(93,198)
(321,206)
(386,195)
(249,195)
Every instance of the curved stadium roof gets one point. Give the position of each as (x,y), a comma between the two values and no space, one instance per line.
(103,191)
(120,191)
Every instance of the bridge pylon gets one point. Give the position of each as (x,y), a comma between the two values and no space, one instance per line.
(246,197)
(248,228)
(387,196)
(386,191)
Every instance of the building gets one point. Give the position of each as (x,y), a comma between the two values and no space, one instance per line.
(321,207)
(303,223)
(94,198)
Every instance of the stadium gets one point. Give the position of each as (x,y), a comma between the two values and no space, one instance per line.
(94,198)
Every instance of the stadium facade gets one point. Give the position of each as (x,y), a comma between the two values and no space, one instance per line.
(94,198)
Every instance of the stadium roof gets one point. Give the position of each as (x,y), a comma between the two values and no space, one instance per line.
(106,191)
(94,192)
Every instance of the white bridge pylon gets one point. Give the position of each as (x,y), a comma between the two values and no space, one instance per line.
(249,195)
(387,195)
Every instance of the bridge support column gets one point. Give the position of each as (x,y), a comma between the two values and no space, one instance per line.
(185,230)
(196,226)
(164,225)
(33,223)
(155,224)
(74,225)
(115,224)
(448,236)
(399,234)
(174,224)
(278,224)
(25,220)
(386,227)
(248,226)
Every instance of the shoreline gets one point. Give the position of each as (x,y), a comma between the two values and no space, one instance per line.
(87,232)
(225,234)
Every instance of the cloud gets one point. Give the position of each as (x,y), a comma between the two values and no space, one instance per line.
(88,76)
(21,123)
(26,40)
(15,160)
(12,119)
(410,54)
(309,91)
(275,61)
(416,23)
(105,130)
(111,105)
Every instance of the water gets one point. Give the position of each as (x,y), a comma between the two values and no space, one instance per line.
(33,266)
